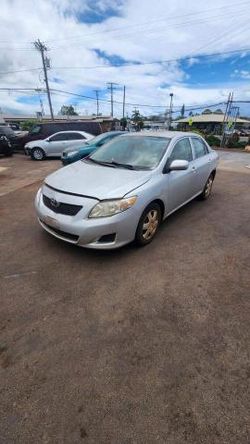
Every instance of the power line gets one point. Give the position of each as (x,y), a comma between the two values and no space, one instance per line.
(187,107)
(136,63)
(224,8)
(155,21)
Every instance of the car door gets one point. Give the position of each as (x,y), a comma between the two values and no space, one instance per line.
(57,143)
(180,183)
(75,139)
(202,161)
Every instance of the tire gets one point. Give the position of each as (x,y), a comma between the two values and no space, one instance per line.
(207,188)
(37,154)
(143,234)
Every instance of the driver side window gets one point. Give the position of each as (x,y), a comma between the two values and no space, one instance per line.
(182,151)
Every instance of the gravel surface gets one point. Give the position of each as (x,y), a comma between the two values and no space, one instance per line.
(131,346)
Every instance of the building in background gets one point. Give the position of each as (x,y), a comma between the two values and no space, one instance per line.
(209,123)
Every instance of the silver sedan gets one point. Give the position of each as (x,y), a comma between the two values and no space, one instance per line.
(125,189)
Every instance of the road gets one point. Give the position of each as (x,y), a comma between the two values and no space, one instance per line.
(233,161)
(131,346)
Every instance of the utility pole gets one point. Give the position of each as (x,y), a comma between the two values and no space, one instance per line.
(42,48)
(123,103)
(111,88)
(97,101)
(225,118)
(170,110)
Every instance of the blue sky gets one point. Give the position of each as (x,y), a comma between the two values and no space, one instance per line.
(92,43)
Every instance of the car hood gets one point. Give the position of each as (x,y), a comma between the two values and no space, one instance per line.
(97,181)
(34,143)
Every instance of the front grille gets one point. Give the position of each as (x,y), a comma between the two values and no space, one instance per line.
(60,207)
(69,236)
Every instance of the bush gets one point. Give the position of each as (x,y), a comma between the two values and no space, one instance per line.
(240,145)
(28,125)
(197,131)
(212,140)
(233,140)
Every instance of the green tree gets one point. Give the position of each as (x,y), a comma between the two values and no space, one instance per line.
(207,111)
(68,110)
(28,125)
(183,110)
(137,119)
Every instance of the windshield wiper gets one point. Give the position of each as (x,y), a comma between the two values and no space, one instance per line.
(98,162)
(122,165)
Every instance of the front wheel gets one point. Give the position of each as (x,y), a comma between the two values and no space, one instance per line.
(148,224)
(37,154)
(207,188)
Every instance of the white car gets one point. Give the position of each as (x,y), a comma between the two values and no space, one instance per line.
(54,145)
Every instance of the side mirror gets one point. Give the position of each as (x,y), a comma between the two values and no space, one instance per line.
(178,165)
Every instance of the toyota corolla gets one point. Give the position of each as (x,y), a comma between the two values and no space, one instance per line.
(125,189)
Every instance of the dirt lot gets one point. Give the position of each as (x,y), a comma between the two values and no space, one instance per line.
(131,346)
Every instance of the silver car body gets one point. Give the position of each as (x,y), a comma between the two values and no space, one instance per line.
(54,145)
(85,184)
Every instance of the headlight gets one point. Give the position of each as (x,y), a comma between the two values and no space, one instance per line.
(72,153)
(111,207)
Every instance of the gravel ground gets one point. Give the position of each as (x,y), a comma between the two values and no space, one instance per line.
(130,346)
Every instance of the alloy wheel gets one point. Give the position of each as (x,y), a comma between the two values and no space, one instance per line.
(37,154)
(150,224)
(208,187)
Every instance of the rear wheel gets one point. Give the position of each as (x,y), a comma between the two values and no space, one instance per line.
(148,224)
(37,154)
(207,188)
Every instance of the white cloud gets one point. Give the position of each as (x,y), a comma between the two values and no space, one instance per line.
(145,31)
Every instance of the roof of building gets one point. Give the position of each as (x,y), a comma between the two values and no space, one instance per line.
(209,118)
(56,118)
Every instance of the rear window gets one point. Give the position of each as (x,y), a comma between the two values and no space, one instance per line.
(200,149)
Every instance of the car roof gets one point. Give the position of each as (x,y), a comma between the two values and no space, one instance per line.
(167,134)
(71,131)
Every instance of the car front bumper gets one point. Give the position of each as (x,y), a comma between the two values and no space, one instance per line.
(83,231)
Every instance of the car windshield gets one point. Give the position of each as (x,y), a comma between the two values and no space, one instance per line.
(134,152)
(36,129)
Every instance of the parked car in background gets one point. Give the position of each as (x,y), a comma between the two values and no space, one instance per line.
(9,134)
(123,190)
(71,155)
(44,130)
(5,146)
(54,145)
